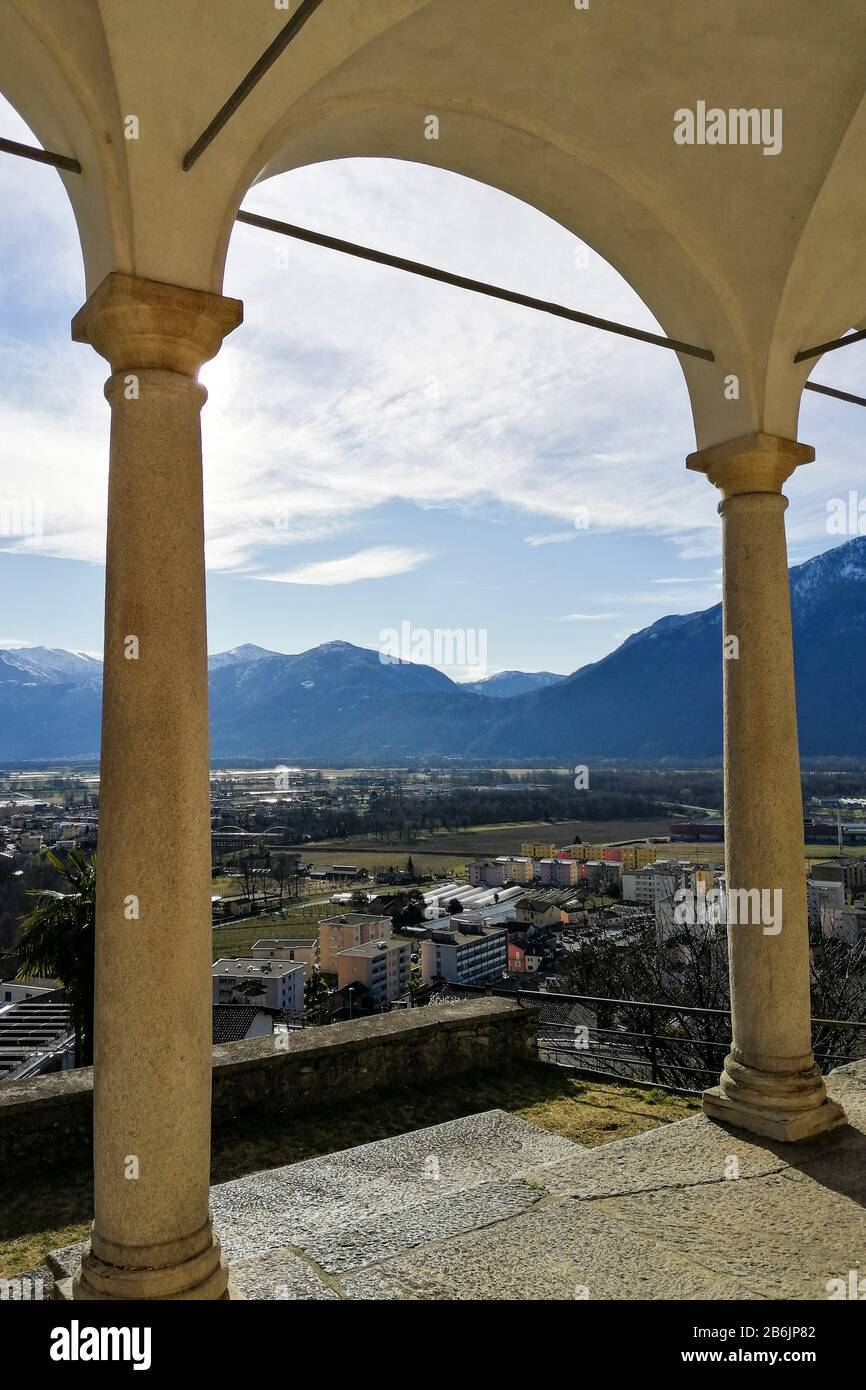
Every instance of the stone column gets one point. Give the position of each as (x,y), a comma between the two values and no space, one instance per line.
(152,1236)
(770,1084)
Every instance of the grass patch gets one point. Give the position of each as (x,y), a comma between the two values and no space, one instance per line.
(55,1210)
(237,938)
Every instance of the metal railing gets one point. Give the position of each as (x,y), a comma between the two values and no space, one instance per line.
(666,1045)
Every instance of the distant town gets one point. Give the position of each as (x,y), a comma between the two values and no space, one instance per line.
(311,932)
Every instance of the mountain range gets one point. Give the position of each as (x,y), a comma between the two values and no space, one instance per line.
(657,695)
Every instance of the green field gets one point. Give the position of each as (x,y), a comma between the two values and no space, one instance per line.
(236,938)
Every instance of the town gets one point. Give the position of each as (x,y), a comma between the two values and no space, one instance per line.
(303,939)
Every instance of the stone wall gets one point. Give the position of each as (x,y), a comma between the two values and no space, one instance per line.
(48,1121)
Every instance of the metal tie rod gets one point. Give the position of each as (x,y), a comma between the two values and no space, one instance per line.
(252,219)
(252,79)
(831,346)
(838,395)
(366,253)
(60,161)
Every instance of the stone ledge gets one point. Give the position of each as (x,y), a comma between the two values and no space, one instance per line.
(48,1121)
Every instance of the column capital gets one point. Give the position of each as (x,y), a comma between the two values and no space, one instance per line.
(136,323)
(753,463)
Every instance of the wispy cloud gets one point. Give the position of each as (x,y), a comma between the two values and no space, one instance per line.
(551,538)
(693,579)
(585,617)
(379,562)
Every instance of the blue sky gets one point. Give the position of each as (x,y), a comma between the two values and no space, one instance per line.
(380,449)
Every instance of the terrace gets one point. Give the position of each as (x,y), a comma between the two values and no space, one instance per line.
(490,1176)
(747,263)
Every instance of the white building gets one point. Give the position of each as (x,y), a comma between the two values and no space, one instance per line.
(821,894)
(847,922)
(465,953)
(646,887)
(14,991)
(272,984)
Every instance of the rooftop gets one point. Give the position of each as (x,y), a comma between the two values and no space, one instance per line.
(354,919)
(286,943)
(247,966)
(34,1036)
(376,948)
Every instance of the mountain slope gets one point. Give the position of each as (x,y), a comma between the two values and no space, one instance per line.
(504,684)
(657,695)
(660,693)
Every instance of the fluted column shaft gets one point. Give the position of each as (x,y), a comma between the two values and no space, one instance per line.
(152,1234)
(770,1083)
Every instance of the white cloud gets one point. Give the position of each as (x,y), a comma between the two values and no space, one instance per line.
(551,538)
(585,617)
(351,386)
(379,562)
(690,579)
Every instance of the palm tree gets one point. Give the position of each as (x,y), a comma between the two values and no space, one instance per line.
(58,940)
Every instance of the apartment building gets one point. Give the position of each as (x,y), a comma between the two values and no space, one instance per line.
(542,850)
(345,932)
(849,871)
(302,948)
(596,874)
(383,966)
(849,923)
(561,873)
(637,857)
(271,984)
(468,954)
(487,874)
(820,895)
(648,886)
(505,868)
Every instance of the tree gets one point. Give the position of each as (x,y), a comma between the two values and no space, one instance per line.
(408,909)
(454,907)
(58,942)
(410,867)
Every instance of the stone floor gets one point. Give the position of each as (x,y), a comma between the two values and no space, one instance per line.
(490,1207)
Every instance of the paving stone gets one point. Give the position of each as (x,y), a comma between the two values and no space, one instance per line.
(354,1246)
(489,1207)
(565,1250)
(278,1276)
(64,1261)
(315,1204)
(688,1152)
(783,1236)
(31,1285)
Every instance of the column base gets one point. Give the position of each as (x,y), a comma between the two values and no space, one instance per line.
(204,1277)
(785,1106)
(64,1291)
